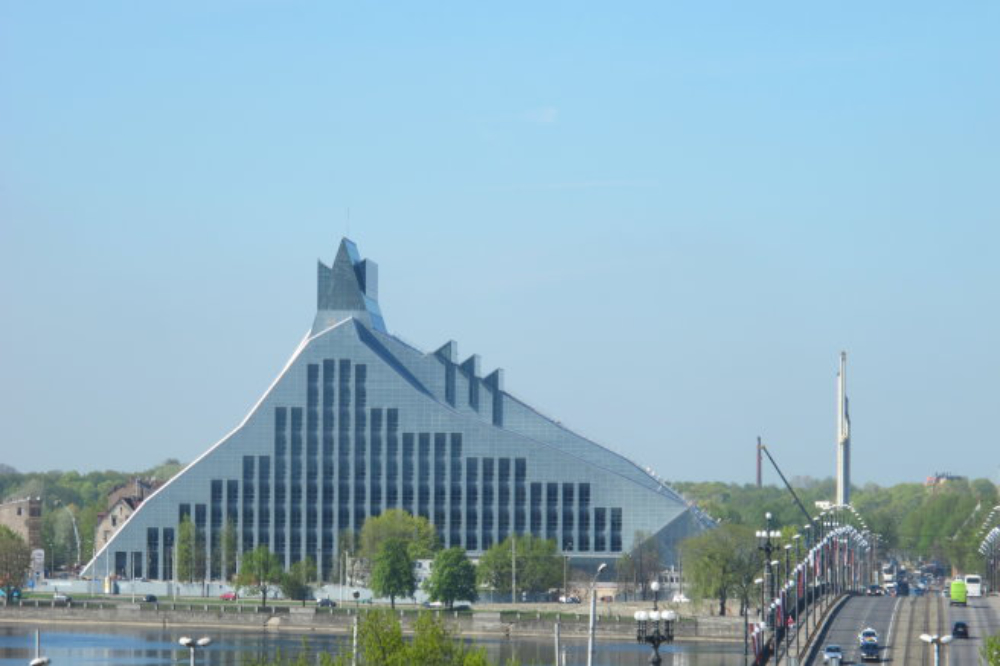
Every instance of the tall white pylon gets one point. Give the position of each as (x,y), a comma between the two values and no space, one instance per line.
(843,436)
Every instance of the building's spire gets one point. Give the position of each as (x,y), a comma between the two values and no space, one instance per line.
(348,288)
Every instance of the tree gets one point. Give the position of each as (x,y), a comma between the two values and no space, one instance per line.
(260,572)
(185,550)
(15,560)
(296,583)
(453,577)
(539,566)
(721,562)
(392,573)
(228,543)
(416,531)
(990,651)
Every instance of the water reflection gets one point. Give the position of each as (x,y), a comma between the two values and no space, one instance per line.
(103,645)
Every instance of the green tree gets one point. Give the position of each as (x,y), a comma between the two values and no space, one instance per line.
(186,550)
(228,544)
(721,562)
(260,573)
(453,577)
(416,531)
(392,573)
(990,651)
(539,566)
(296,584)
(15,560)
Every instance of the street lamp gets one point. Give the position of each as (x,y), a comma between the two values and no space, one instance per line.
(655,627)
(76,532)
(937,642)
(193,644)
(593,609)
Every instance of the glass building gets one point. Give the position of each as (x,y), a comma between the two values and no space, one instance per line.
(359,422)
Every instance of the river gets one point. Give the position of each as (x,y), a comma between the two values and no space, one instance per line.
(142,647)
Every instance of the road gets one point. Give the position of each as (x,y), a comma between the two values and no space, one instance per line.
(856,614)
(983,617)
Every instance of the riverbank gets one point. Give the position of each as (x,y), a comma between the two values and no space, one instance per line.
(310,619)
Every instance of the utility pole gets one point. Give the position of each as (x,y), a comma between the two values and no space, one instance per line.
(513,569)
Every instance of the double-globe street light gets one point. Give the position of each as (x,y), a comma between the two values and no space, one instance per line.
(937,642)
(193,644)
(655,627)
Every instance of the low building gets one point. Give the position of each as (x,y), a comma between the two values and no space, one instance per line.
(24,517)
(122,502)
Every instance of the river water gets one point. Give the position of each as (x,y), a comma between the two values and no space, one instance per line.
(142,647)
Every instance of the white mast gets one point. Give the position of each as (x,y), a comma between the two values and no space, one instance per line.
(843,436)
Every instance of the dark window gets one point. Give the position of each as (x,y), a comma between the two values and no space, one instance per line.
(408,471)
(168,553)
(583,517)
(536,509)
(600,525)
(471,503)
(153,553)
(423,475)
(569,507)
(376,475)
(551,510)
(392,459)
(616,530)
(440,487)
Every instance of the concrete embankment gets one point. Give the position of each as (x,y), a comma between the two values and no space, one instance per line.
(340,620)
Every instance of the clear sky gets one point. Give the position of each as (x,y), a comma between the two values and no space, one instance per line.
(664,220)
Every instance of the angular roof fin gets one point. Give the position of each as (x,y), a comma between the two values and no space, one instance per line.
(348,288)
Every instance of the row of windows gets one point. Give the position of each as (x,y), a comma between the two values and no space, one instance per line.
(336,461)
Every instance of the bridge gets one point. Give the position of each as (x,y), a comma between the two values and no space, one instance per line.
(821,598)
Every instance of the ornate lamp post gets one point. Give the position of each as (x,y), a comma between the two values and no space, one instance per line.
(193,644)
(655,627)
(593,609)
(937,642)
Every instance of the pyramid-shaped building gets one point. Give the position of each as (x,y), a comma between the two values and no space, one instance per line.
(359,422)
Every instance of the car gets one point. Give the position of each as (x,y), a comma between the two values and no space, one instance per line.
(62,597)
(874,591)
(433,604)
(868,635)
(15,595)
(832,654)
(150,599)
(869,652)
(960,630)
(326,603)
(569,599)
(228,596)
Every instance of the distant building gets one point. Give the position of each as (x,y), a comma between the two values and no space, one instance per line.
(941,478)
(136,489)
(122,502)
(359,422)
(24,517)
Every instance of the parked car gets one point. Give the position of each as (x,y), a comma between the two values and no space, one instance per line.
(960,630)
(62,597)
(569,599)
(326,603)
(228,596)
(832,654)
(150,599)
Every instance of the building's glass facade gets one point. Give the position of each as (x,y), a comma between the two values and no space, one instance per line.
(360,422)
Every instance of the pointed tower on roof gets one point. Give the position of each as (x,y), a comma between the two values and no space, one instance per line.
(348,288)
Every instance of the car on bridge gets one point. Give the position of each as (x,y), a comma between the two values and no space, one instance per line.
(960,630)
(868,635)
(832,654)
(869,652)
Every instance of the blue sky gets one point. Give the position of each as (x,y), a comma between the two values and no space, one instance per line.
(664,220)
